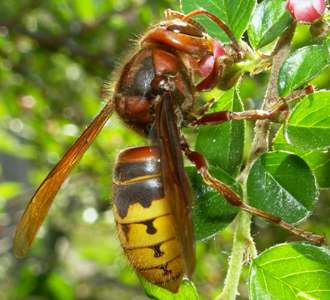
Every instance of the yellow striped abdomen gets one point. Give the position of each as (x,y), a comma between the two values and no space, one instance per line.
(144,220)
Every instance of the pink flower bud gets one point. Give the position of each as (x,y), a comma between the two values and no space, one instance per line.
(206,65)
(307,11)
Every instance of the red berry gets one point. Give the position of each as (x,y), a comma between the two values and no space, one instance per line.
(307,11)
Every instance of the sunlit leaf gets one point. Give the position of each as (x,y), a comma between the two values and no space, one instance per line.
(290,272)
(235,13)
(268,21)
(308,126)
(187,291)
(302,66)
(282,184)
(318,161)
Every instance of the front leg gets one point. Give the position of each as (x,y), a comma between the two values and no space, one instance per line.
(234,199)
(192,116)
(276,115)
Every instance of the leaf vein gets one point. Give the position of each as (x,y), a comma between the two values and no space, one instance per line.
(280,259)
(304,272)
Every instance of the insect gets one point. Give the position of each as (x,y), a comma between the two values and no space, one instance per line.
(155,96)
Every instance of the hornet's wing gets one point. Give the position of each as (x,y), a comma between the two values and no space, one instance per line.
(38,207)
(175,180)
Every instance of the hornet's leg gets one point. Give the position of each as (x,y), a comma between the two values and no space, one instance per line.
(278,114)
(200,162)
(195,115)
(223,116)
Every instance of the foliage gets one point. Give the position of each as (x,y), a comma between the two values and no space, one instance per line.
(236,14)
(54,56)
(291,271)
(270,20)
(302,66)
(308,125)
(274,185)
(230,135)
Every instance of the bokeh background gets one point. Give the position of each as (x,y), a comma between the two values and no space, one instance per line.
(54,57)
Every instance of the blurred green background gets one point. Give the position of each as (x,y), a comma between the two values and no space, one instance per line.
(54,57)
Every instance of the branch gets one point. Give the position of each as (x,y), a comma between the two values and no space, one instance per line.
(243,241)
(271,100)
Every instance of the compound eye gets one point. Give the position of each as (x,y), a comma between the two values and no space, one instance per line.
(185,28)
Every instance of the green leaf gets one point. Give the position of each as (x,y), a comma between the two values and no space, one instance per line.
(308,126)
(294,271)
(223,144)
(318,161)
(211,212)
(269,20)
(85,10)
(282,184)
(9,145)
(9,190)
(235,13)
(302,66)
(59,287)
(187,291)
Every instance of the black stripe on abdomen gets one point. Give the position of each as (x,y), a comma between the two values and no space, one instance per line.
(131,170)
(143,192)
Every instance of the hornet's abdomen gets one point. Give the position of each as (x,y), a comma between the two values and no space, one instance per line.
(144,220)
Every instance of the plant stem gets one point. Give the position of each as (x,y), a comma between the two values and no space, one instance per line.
(243,240)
